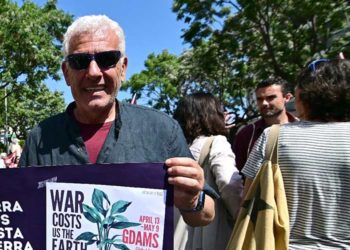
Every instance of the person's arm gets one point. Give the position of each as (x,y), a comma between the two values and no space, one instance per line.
(226,176)
(188,180)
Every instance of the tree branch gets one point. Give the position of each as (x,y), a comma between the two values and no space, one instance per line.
(264,28)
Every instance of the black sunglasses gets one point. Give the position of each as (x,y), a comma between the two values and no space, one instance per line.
(104,60)
(313,65)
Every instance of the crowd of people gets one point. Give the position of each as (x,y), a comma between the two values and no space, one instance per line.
(314,157)
(313,148)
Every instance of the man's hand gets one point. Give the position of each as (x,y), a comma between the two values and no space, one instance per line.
(188,179)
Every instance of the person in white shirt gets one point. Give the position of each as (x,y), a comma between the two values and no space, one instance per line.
(201,117)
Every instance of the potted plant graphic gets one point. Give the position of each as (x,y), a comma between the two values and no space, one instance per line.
(106,217)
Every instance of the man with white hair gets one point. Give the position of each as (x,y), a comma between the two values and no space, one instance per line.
(97,128)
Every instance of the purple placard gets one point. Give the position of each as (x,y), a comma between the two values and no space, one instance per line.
(23,202)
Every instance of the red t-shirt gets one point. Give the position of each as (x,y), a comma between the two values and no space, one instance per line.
(94,135)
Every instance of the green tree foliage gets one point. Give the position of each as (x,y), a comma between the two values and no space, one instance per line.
(263,38)
(30,42)
(168,77)
(208,68)
(158,82)
(30,52)
(29,106)
(236,44)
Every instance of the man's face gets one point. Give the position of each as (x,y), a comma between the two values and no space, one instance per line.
(94,89)
(270,101)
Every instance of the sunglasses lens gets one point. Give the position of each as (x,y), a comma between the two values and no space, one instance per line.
(314,64)
(107,59)
(79,61)
(104,60)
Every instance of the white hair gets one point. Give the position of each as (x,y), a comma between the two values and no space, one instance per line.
(98,25)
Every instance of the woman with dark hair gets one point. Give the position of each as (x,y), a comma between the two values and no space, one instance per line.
(201,117)
(314,158)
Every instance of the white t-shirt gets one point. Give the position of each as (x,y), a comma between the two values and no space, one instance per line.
(223,167)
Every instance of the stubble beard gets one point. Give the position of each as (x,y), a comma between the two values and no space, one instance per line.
(271,113)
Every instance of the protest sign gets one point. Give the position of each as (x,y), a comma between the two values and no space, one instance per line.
(109,206)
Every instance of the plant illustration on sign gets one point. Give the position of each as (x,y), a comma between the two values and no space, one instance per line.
(106,217)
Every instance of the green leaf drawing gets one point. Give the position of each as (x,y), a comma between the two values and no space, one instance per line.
(121,218)
(101,244)
(122,225)
(91,214)
(100,201)
(88,237)
(110,241)
(121,246)
(113,219)
(107,221)
(119,207)
(115,236)
(90,242)
(98,214)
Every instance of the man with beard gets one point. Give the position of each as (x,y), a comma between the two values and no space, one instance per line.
(272,95)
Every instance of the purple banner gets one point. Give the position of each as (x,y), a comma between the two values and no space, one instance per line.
(23,198)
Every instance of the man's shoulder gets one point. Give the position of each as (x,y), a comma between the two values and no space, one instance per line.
(146,114)
(138,108)
(250,127)
(52,121)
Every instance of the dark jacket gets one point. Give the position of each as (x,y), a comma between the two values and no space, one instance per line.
(139,134)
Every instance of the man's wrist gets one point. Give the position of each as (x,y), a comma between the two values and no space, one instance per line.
(200,204)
